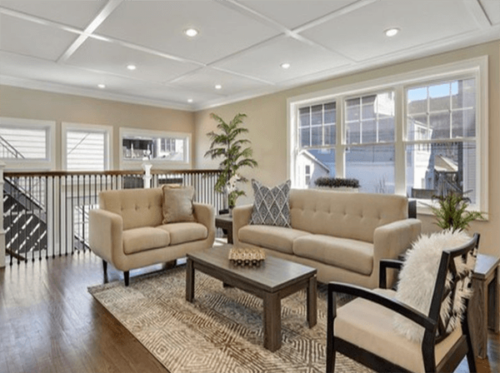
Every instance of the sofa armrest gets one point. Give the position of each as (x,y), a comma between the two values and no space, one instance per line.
(105,235)
(241,217)
(205,214)
(391,240)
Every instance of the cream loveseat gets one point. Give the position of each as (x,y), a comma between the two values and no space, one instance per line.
(127,230)
(342,235)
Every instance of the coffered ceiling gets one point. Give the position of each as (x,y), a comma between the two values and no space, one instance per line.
(73,46)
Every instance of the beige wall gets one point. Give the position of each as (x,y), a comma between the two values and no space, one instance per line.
(268,130)
(33,104)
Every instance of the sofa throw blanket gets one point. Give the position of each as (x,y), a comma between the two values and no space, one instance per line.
(272,205)
(417,280)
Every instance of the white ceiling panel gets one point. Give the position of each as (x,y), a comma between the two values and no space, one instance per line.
(76,13)
(360,34)
(114,58)
(293,13)
(175,94)
(492,9)
(161,24)
(32,39)
(265,61)
(206,79)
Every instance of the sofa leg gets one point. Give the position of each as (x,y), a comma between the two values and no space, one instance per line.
(126,276)
(171,264)
(105,267)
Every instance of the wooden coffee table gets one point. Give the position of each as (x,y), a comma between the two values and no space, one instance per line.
(274,280)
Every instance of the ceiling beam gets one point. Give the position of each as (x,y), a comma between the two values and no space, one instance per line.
(110,6)
(479,14)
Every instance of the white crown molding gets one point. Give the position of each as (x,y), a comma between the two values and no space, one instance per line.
(59,88)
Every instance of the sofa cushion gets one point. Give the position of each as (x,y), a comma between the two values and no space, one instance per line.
(271,206)
(344,215)
(355,256)
(177,204)
(185,232)
(137,207)
(146,238)
(276,238)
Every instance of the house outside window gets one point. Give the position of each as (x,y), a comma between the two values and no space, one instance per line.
(165,149)
(418,134)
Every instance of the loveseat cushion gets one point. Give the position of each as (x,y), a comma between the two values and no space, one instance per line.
(353,255)
(146,238)
(185,232)
(270,237)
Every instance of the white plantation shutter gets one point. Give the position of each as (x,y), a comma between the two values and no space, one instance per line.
(86,150)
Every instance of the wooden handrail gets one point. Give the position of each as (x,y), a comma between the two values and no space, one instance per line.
(103,173)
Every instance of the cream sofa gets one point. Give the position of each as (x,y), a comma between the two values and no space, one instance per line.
(342,235)
(127,230)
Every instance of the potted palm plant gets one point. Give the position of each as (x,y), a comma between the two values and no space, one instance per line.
(227,145)
(452,213)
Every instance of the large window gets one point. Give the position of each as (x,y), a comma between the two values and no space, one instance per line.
(441,139)
(369,126)
(165,149)
(419,134)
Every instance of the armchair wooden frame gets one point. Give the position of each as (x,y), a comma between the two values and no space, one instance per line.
(435,328)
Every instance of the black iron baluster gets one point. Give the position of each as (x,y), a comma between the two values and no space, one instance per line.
(60,213)
(84,192)
(78,205)
(66,236)
(11,220)
(30,206)
(47,208)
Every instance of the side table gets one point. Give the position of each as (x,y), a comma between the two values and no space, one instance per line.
(483,306)
(225,222)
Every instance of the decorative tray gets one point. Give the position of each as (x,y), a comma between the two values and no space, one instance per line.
(246,256)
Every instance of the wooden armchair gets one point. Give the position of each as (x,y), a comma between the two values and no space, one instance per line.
(363,329)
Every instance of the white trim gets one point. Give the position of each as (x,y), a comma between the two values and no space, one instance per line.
(49,163)
(97,128)
(147,134)
(399,83)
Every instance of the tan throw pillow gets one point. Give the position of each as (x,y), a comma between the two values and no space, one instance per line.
(178,204)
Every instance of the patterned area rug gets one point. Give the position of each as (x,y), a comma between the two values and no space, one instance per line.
(221,331)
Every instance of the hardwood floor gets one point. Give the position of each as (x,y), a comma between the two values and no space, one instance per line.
(50,323)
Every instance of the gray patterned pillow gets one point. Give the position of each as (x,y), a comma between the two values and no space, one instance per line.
(271,206)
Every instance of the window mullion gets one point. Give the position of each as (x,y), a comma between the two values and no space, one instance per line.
(399,148)
(340,142)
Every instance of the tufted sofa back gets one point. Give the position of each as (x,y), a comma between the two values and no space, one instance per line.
(137,207)
(345,215)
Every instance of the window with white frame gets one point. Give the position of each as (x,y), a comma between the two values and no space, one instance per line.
(441,132)
(86,147)
(370,138)
(420,134)
(27,143)
(317,136)
(166,148)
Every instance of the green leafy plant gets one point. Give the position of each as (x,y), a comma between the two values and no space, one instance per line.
(336,182)
(452,212)
(227,145)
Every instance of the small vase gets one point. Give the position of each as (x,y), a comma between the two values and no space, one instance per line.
(231,212)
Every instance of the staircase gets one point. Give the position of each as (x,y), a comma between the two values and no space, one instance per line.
(25,223)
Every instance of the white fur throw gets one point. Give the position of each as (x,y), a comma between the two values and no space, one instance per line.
(417,280)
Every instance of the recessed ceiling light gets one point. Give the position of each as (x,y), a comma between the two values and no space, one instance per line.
(391,32)
(131,67)
(218,86)
(190,100)
(285,65)
(191,32)
(102,86)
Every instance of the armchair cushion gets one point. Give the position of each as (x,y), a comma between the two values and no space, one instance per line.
(145,238)
(369,326)
(417,281)
(185,232)
(178,204)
